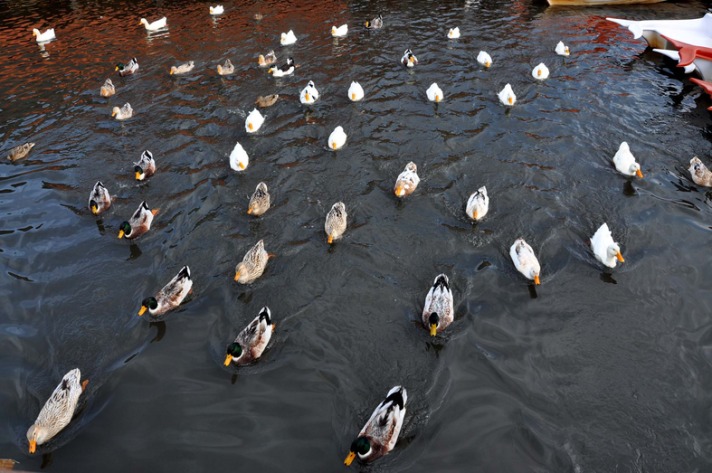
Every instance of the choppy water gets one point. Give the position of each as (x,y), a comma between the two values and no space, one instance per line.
(601,371)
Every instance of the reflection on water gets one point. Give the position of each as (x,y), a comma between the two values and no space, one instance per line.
(591,371)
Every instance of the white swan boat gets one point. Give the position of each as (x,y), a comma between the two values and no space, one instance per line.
(690,54)
(696,31)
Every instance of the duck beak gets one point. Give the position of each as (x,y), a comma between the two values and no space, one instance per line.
(639,173)
(433,329)
(353,96)
(330,240)
(113,114)
(538,73)
(437,98)
(94,209)
(400,192)
(155,212)
(620,257)
(138,176)
(249,211)
(237,275)
(241,166)
(33,446)
(121,234)
(250,126)
(510,100)
(333,145)
(350,457)
(536,280)
(228,359)
(474,214)
(142,310)
(270,70)
(411,60)
(566,50)
(306,96)
(488,64)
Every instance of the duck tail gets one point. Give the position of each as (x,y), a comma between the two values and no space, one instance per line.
(265,315)
(397,396)
(441,281)
(184,273)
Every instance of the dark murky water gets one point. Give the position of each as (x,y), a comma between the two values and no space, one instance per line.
(603,371)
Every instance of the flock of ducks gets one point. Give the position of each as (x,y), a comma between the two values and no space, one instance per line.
(380,433)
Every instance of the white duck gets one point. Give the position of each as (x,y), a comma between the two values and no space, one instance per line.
(340,31)
(625,161)
(434,93)
(155,26)
(355,92)
(540,72)
(238,158)
(438,310)
(484,59)
(561,49)
(123,113)
(309,94)
(217,10)
(506,96)
(254,121)
(525,260)
(48,35)
(183,68)
(407,181)
(453,33)
(604,248)
(699,172)
(287,38)
(478,204)
(337,138)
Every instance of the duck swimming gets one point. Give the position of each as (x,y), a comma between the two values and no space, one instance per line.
(171,296)
(123,113)
(20,152)
(484,59)
(260,200)
(254,121)
(108,89)
(154,26)
(251,342)
(128,69)
(139,223)
(699,173)
(335,224)
(355,92)
(506,96)
(337,139)
(524,260)
(183,68)
(267,60)
(604,248)
(340,31)
(287,38)
(239,158)
(253,264)
(284,70)
(145,167)
(407,181)
(375,24)
(309,94)
(478,204)
(99,199)
(540,72)
(409,59)
(434,93)
(625,161)
(48,35)
(438,311)
(226,69)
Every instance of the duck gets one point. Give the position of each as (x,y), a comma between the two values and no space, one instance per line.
(260,200)
(375,24)
(156,25)
(604,248)
(20,152)
(171,296)
(123,113)
(699,173)
(145,167)
(335,224)
(478,204)
(453,33)
(183,68)
(99,199)
(238,158)
(285,39)
(284,70)
(58,411)
(139,223)
(407,181)
(409,59)
(309,94)
(524,260)
(48,35)
(337,138)
(434,93)
(226,68)
(340,31)
(108,89)
(355,92)
(267,60)
(561,49)
(128,69)
(251,342)
(380,434)
(253,264)
(217,10)
(506,96)
(254,121)
(625,161)
(484,59)
(438,310)
(540,72)
(267,100)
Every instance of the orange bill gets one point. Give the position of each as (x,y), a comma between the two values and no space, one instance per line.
(228,359)
(94,209)
(474,214)
(349,458)
(142,310)
(639,173)
(33,446)
(536,280)
(155,211)
(85,383)
(620,257)
(330,240)
(138,176)
(121,234)
(237,275)
(433,329)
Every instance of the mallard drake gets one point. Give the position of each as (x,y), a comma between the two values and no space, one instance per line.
(409,59)
(484,59)
(438,310)
(266,101)
(58,411)
(407,181)
(48,35)
(604,248)
(260,201)
(156,25)
(251,342)
(380,434)
(226,68)
(540,72)
(217,10)
(375,24)
(453,33)
(267,60)
(183,68)
(561,49)
(309,94)
(340,31)
(170,296)
(108,89)
(335,224)
(525,260)
(145,167)
(128,69)
(285,39)
(337,138)
(20,152)
(99,199)
(254,121)
(699,173)
(478,204)
(355,92)
(123,113)
(434,93)
(625,161)
(284,70)
(506,96)
(239,158)
(139,223)
(252,265)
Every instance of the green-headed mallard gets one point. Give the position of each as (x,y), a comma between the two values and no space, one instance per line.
(139,224)
(170,296)
(128,69)
(251,342)
(145,167)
